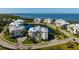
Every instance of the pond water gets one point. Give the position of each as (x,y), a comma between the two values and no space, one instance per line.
(27,26)
(50,31)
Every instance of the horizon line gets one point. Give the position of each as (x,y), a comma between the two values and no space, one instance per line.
(38,13)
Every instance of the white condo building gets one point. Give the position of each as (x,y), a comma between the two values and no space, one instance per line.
(73,28)
(61,22)
(37,20)
(48,20)
(38,33)
(16,28)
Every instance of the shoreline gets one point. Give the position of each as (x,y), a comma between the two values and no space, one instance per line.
(30,18)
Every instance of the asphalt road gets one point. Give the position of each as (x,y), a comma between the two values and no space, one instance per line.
(32,46)
(4,43)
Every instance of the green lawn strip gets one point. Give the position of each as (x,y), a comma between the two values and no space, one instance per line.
(8,38)
(1,48)
(57,33)
(26,41)
(4,48)
(66,46)
(74,35)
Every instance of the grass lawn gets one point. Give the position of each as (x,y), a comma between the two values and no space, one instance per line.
(4,48)
(57,33)
(67,46)
(60,37)
(8,37)
(76,35)
(1,48)
(28,42)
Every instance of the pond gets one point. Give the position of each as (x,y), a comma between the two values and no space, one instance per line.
(50,31)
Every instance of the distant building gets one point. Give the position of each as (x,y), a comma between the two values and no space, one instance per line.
(37,20)
(48,20)
(73,28)
(38,33)
(61,22)
(16,28)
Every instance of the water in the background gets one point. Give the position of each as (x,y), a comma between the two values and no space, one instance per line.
(52,16)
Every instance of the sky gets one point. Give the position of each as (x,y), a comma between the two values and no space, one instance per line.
(39,10)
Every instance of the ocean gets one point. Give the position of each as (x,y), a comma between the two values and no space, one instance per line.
(68,17)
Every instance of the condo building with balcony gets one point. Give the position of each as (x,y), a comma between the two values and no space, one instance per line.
(48,20)
(37,20)
(16,28)
(38,33)
(73,28)
(60,22)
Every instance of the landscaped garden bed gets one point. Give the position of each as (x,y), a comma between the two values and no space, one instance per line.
(7,36)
